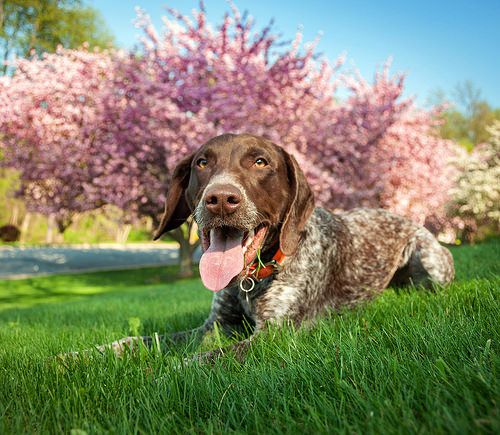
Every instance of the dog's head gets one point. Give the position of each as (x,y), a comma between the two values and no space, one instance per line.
(244,192)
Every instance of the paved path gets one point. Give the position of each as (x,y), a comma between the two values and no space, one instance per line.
(24,262)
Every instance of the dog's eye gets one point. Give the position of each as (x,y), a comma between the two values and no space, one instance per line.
(202,163)
(260,163)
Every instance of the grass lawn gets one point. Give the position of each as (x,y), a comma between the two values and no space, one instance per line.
(412,361)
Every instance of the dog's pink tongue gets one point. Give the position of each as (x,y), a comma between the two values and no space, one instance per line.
(222,261)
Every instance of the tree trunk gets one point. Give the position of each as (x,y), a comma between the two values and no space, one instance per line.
(25,227)
(14,214)
(59,237)
(469,235)
(123,232)
(51,225)
(186,236)
(185,260)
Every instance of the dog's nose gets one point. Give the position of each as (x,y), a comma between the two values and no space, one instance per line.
(223,199)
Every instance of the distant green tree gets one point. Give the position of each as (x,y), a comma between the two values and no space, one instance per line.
(455,128)
(42,25)
(469,120)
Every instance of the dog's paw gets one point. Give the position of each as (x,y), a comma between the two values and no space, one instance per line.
(124,347)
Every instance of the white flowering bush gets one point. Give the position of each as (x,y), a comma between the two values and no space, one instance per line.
(476,194)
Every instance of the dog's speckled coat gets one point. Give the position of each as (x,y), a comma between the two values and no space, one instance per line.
(332,260)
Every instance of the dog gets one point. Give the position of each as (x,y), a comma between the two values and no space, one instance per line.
(270,255)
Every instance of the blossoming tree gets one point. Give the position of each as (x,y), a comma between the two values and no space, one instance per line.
(87,129)
(49,111)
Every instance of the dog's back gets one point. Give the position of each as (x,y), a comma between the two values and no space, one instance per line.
(352,256)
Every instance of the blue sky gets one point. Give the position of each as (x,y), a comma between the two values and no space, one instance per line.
(437,43)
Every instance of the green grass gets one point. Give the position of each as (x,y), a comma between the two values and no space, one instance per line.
(28,292)
(412,361)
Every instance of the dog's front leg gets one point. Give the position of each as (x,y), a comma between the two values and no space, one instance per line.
(132,344)
(238,350)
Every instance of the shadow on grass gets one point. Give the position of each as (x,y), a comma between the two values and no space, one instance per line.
(61,288)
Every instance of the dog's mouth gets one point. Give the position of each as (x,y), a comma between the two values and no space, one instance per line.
(227,251)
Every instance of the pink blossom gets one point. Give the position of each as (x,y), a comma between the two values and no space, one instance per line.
(92,128)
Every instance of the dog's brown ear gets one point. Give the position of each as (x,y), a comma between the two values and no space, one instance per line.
(300,208)
(177,209)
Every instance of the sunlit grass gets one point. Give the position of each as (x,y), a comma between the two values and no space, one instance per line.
(411,361)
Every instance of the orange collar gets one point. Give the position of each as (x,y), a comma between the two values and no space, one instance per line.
(269,268)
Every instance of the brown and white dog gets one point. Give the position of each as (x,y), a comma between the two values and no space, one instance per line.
(270,255)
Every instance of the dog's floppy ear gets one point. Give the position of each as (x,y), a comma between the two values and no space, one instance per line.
(300,207)
(177,209)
